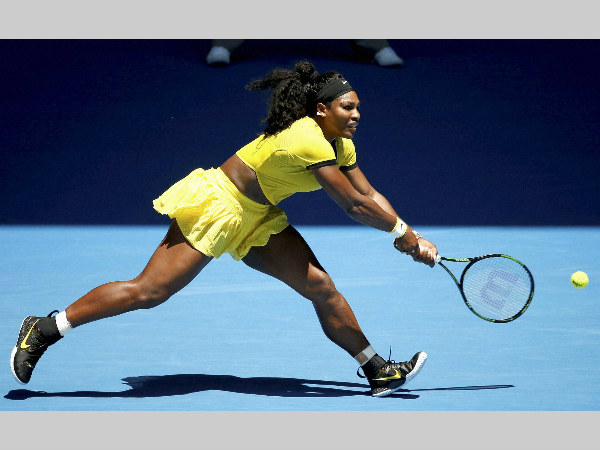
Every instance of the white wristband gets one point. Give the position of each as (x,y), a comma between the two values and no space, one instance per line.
(400,228)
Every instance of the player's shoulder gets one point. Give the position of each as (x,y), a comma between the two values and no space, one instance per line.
(344,144)
(306,132)
(306,126)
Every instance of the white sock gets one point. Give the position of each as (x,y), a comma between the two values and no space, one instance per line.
(64,326)
(365,356)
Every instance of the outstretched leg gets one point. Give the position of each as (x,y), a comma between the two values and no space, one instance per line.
(174,264)
(288,258)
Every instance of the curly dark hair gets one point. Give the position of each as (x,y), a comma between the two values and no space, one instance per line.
(293,94)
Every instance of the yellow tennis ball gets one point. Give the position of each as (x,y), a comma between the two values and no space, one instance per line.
(579,279)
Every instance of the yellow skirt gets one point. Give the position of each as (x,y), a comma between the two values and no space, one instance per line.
(216,218)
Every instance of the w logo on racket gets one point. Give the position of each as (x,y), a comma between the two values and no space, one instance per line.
(498,287)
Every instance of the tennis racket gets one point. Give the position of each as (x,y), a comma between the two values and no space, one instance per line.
(498,288)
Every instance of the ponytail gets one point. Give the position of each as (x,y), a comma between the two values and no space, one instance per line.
(293,94)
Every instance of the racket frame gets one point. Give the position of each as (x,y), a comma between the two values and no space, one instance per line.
(472,261)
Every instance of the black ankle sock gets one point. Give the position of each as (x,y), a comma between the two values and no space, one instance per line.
(373,365)
(49,330)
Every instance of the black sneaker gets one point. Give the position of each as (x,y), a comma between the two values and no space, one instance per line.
(392,376)
(31,345)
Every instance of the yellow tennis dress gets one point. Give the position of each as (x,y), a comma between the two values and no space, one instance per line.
(216,218)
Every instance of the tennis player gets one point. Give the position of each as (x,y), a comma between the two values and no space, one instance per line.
(307,145)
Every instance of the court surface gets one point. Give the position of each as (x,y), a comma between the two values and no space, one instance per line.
(237,340)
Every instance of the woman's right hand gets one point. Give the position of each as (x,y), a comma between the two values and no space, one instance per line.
(407,244)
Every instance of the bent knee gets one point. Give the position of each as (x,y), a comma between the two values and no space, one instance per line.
(320,286)
(145,296)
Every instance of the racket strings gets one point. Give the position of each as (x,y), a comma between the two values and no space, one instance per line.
(497,288)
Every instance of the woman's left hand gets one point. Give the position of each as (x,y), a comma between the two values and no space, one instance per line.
(426,254)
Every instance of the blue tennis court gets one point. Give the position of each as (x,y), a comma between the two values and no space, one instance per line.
(484,146)
(237,340)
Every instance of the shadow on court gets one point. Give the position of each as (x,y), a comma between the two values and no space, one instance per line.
(182,384)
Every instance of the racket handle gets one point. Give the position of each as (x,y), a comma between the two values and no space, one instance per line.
(438,258)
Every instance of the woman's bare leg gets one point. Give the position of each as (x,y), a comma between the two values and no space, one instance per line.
(288,258)
(174,264)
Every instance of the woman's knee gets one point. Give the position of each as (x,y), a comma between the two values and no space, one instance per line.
(145,295)
(320,286)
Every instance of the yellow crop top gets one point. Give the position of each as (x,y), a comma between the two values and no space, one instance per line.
(283,162)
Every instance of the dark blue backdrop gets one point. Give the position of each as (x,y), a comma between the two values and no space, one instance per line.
(474,132)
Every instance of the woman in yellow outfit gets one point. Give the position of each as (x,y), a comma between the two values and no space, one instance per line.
(307,145)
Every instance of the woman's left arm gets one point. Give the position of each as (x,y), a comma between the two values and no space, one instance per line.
(362,185)
(358,179)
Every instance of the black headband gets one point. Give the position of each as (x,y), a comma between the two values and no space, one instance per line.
(333,90)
